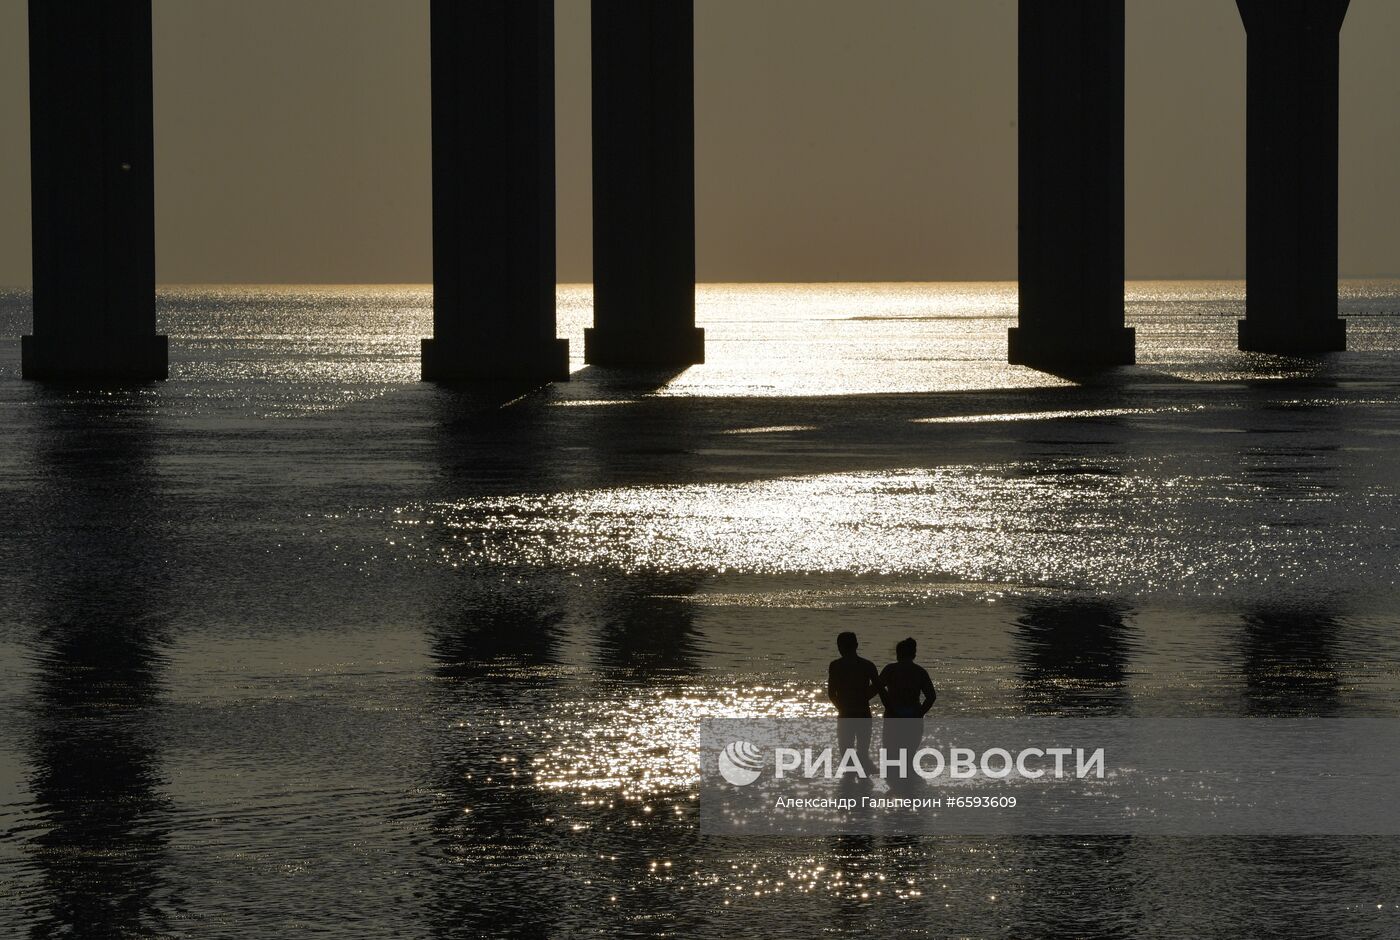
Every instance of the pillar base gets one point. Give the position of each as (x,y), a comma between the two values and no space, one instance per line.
(1068,351)
(622,348)
(1324,337)
(493,361)
(95,357)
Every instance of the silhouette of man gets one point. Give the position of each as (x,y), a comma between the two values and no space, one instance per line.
(907,693)
(850,684)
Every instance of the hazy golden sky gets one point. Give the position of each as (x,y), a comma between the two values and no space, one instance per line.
(836,140)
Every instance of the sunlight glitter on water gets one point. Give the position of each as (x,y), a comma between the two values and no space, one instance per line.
(1130,526)
(339,346)
(1042,415)
(647,744)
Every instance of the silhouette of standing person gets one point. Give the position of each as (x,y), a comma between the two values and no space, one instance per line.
(908,693)
(850,684)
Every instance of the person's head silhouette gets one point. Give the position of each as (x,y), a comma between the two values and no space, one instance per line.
(905,649)
(846,642)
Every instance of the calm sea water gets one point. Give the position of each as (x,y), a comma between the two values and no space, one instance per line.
(294,641)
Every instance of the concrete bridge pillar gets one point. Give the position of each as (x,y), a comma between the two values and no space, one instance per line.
(1291,201)
(643,185)
(93,179)
(1071,187)
(493,193)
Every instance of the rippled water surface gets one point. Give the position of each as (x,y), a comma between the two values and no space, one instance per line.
(294,641)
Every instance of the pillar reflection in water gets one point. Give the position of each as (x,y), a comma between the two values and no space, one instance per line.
(648,626)
(95,763)
(1074,654)
(496,652)
(1288,657)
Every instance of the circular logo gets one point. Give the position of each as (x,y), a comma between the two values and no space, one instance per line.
(740,763)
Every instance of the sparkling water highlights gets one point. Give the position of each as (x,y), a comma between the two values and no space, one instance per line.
(1127,526)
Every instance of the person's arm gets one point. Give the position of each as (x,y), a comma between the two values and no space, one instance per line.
(929,692)
(879,685)
(831,684)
